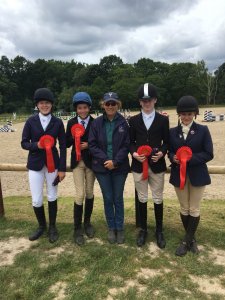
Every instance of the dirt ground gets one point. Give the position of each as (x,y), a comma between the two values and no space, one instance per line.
(16,183)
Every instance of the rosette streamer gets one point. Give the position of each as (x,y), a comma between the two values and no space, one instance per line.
(47,142)
(145,150)
(77,131)
(184,154)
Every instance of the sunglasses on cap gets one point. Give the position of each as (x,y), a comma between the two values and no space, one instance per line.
(110,103)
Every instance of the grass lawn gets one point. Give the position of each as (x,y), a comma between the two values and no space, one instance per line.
(98,270)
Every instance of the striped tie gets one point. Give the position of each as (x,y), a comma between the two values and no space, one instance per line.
(82,123)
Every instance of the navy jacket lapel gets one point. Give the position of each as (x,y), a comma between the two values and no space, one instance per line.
(192,131)
(38,123)
(179,133)
(51,123)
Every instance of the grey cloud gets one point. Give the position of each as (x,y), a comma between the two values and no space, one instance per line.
(40,43)
(75,27)
(126,13)
(71,28)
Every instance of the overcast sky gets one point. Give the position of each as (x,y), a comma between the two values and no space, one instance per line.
(87,30)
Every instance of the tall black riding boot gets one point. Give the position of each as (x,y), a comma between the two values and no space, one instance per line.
(189,243)
(193,245)
(158,208)
(40,215)
(183,248)
(52,211)
(185,221)
(192,227)
(78,231)
(88,228)
(141,238)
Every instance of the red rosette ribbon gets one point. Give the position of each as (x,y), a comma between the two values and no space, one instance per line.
(144,150)
(77,131)
(184,154)
(47,142)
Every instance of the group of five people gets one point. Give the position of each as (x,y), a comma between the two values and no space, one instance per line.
(101,152)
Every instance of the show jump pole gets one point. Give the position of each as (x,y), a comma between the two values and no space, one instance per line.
(22,168)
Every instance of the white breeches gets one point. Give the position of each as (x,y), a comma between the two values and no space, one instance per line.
(36,180)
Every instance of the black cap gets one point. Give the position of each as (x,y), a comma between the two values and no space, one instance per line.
(43,94)
(187,104)
(147,91)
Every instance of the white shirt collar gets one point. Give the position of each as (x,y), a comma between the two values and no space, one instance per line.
(148,116)
(44,118)
(187,126)
(85,120)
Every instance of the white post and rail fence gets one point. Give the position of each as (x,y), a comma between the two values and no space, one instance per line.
(22,168)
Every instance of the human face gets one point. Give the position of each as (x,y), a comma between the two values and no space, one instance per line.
(44,107)
(111,108)
(187,117)
(83,110)
(148,105)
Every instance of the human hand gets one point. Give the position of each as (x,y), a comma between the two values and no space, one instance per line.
(138,157)
(176,160)
(61,175)
(39,145)
(83,145)
(157,156)
(108,164)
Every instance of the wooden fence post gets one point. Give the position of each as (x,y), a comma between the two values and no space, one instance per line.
(2,212)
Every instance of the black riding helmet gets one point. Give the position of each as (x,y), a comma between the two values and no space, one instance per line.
(43,94)
(187,104)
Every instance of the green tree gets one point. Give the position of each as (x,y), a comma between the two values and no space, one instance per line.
(97,89)
(64,100)
(106,67)
(19,78)
(206,83)
(125,83)
(145,66)
(219,96)
(8,90)
(182,79)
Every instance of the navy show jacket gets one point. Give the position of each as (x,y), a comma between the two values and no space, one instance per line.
(97,142)
(200,142)
(85,154)
(33,131)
